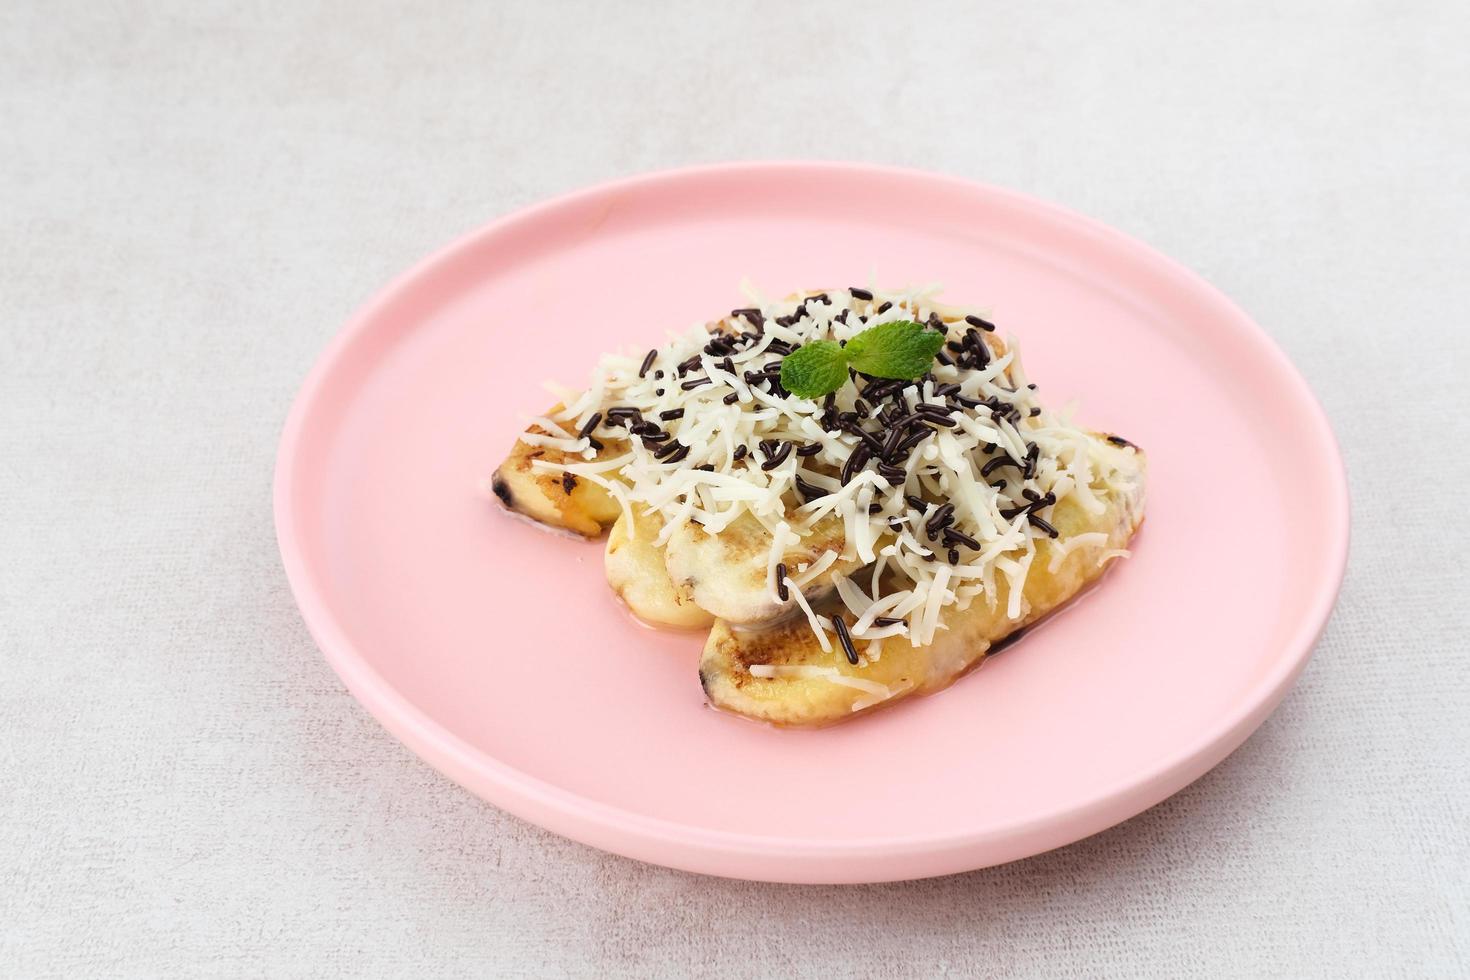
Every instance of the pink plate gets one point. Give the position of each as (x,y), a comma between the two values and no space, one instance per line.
(497,653)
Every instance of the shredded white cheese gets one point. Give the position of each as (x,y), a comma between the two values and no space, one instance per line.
(999,469)
(876,692)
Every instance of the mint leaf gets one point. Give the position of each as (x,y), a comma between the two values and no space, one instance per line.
(902,349)
(815,369)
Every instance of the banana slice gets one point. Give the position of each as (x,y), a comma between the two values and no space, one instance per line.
(727,573)
(927,476)
(783,676)
(555,499)
(637,573)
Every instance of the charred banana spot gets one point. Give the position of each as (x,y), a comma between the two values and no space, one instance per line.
(568,483)
(704,681)
(502,490)
(1120,441)
(1005,641)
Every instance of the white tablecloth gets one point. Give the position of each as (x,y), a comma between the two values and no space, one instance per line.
(194,196)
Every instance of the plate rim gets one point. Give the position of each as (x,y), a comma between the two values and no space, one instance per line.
(740,855)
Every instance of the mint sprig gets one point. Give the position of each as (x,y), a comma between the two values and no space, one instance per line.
(901,350)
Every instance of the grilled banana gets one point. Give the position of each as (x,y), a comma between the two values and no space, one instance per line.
(637,573)
(963,457)
(555,499)
(726,573)
(783,676)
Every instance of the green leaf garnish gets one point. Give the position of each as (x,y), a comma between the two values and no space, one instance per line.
(900,350)
(814,369)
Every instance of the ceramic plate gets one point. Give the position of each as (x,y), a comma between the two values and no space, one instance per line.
(497,653)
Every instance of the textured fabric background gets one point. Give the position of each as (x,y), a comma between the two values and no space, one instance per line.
(194,196)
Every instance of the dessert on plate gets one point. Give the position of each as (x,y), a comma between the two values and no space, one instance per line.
(859,494)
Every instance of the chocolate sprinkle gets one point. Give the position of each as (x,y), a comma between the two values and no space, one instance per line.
(978,347)
(845,639)
(890,445)
(731,398)
(907,446)
(940,518)
(953,536)
(1042,525)
(879,390)
(693,383)
(781,590)
(854,462)
(810,449)
(740,453)
(886,621)
(997,463)
(778,457)
(869,440)
(648,360)
(588,426)
(975,321)
(809,490)
(936,416)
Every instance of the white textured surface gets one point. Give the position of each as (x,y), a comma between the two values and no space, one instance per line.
(193,197)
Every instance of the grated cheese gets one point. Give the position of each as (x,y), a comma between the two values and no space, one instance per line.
(915,581)
(876,692)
